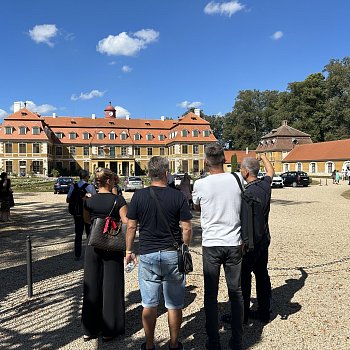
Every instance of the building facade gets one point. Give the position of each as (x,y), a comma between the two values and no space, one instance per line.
(34,144)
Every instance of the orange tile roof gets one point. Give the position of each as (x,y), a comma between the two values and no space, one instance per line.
(322,151)
(240,155)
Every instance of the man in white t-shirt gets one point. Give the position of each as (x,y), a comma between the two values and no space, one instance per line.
(218,197)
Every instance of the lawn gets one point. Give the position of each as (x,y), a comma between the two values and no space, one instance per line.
(33,184)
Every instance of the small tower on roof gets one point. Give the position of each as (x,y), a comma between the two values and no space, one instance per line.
(110,111)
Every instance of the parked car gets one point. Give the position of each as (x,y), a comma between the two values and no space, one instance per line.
(295,178)
(132,183)
(62,184)
(277,181)
(261,174)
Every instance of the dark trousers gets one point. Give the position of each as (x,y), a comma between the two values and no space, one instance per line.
(231,259)
(79,226)
(104,293)
(256,262)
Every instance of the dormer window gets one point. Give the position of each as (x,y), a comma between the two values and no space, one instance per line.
(22,130)
(86,136)
(59,135)
(206,133)
(36,130)
(149,137)
(184,133)
(72,135)
(8,130)
(195,133)
(123,135)
(137,137)
(112,135)
(100,135)
(161,137)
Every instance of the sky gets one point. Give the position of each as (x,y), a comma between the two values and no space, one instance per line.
(153,58)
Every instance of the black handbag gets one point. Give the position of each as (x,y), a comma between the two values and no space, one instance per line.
(107,234)
(184,258)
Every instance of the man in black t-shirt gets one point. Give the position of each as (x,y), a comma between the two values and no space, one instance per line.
(158,257)
(256,261)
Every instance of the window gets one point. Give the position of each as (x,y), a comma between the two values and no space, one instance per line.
(195,133)
(22,164)
(72,135)
(313,168)
(100,135)
(184,133)
(184,149)
(137,137)
(59,135)
(149,137)
(137,151)
(22,130)
(86,166)
(149,151)
(36,130)
(162,151)
(123,150)
(299,167)
(112,135)
(185,166)
(86,150)
(161,137)
(196,166)
(206,133)
(195,149)
(329,167)
(112,151)
(286,167)
(58,150)
(22,148)
(59,165)
(72,150)
(8,166)
(36,147)
(100,151)
(8,130)
(37,166)
(123,135)
(86,135)
(8,147)
(72,167)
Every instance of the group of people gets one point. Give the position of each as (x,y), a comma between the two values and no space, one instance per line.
(336,176)
(218,197)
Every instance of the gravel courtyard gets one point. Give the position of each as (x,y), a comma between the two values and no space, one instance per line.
(309,266)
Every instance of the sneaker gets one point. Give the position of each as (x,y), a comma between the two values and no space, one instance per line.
(143,347)
(179,346)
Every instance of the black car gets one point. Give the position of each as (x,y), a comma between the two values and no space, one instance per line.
(295,178)
(62,184)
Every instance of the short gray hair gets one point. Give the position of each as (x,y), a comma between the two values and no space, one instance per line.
(157,167)
(252,165)
(214,154)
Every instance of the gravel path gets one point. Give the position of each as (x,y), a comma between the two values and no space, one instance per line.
(309,266)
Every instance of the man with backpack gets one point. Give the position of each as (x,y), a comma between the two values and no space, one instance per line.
(256,260)
(75,199)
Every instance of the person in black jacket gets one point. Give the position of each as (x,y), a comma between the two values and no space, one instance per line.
(5,193)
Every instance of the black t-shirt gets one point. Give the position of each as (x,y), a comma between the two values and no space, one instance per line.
(153,233)
(100,205)
(262,190)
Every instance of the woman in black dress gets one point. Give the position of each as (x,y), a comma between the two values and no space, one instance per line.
(104,291)
(5,194)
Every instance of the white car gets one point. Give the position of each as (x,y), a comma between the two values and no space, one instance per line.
(261,174)
(277,181)
(178,178)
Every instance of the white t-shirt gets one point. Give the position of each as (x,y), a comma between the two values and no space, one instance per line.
(220,199)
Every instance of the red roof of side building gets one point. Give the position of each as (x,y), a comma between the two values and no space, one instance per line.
(240,155)
(322,151)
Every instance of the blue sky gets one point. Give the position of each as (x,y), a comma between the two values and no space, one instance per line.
(158,57)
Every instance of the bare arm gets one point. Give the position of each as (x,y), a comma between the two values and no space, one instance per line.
(270,171)
(122,213)
(130,237)
(186,231)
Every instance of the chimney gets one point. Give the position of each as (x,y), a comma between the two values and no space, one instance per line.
(246,150)
(93,116)
(127,116)
(53,115)
(197,112)
(284,122)
(17,106)
(162,118)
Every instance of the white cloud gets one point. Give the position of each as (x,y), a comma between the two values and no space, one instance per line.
(3,113)
(224,8)
(187,104)
(43,33)
(112,63)
(277,35)
(121,112)
(33,107)
(126,69)
(88,95)
(125,44)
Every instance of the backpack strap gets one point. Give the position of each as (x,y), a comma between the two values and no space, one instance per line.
(250,214)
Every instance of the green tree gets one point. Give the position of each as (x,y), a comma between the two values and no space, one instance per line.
(234,164)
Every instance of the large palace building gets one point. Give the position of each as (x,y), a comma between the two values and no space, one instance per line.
(35,144)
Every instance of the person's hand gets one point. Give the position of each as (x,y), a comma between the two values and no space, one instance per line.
(130,257)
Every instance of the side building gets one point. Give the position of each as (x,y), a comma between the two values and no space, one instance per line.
(30,143)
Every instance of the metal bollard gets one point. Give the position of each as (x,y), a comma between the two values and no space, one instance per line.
(326,182)
(320,182)
(29,267)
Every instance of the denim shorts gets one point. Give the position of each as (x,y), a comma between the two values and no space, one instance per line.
(159,271)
